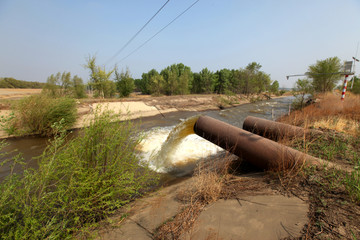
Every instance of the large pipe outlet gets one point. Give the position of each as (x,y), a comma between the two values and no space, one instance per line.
(275,130)
(259,151)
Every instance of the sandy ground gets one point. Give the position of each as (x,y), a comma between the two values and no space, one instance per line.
(15,93)
(145,106)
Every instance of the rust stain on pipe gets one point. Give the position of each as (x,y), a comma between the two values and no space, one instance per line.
(275,130)
(259,151)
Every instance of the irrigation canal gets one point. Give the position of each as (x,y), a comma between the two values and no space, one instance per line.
(157,129)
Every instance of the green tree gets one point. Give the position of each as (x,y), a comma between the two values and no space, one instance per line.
(66,84)
(51,86)
(109,89)
(222,81)
(124,82)
(274,88)
(256,81)
(145,84)
(324,74)
(207,80)
(178,79)
(79,89)
(157,84)
(302,88)
(61,85)
(170,77)
(100,79)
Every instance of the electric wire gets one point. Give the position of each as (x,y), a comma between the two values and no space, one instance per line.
(158,32)
(137,33)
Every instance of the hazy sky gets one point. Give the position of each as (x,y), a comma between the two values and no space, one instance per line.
(42,37)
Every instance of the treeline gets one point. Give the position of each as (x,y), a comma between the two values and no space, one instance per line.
(179,79)
(14,83)
(62,84)
(176,79)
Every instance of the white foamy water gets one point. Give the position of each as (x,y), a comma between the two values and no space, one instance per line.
(164,155)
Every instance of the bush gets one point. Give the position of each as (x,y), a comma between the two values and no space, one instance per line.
(77,184)
(36,114)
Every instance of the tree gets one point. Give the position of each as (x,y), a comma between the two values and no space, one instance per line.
(144,84)
(274,88)
(324,74)
(222,81)
(79,89)
(61,84)
(100,79)
(51,86)
(207,80)
(302,88)
(124,82)
(65,84)
(178,79)
(157,84)
(257,81)
(250,80)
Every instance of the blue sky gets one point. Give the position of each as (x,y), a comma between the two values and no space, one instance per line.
(42,37)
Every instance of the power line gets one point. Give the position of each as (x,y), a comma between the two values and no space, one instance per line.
(178,16)
(133,37)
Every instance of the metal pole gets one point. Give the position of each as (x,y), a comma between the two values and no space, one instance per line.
(344,88)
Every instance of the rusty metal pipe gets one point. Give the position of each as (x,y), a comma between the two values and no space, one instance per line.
(259,151)
(275,130)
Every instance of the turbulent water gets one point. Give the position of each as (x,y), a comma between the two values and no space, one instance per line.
(175,149)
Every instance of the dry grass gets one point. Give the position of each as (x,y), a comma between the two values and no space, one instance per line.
(206,188)
(329,113)
(339,124)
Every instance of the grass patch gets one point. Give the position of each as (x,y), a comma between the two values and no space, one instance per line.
(36,115)
(77,183)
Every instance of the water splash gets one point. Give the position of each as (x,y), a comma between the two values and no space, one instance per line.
(163,158)
(175,149)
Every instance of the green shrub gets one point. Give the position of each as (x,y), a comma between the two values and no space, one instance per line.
(36,114)
(77,183)
(281,92)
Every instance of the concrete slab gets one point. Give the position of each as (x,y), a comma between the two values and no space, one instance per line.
(127,231)
(252,217)
(146,215)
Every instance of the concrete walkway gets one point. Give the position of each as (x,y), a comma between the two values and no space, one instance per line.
(247,217)
(253,217)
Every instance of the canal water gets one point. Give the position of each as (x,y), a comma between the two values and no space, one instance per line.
(167,145)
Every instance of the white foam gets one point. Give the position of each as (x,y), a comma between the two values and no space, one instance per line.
(189,149)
